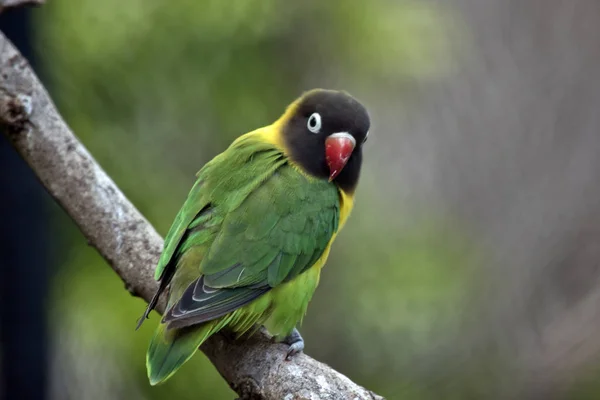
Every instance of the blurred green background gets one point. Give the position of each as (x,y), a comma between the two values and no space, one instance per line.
(467,268)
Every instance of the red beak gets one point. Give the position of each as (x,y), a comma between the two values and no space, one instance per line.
(338,149)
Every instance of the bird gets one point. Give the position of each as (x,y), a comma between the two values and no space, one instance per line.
(247,247)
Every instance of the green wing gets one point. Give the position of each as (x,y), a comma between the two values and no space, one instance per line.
(244,165)
(251,222)
(280,229)
(193,206)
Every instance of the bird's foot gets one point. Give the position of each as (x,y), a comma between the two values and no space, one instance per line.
(296,343)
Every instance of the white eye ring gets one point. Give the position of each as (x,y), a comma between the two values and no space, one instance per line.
(366,137)
(314,123)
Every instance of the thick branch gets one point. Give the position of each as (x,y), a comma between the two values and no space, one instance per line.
(255,368)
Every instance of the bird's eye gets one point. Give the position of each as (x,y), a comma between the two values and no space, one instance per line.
(314,123)
(366,137)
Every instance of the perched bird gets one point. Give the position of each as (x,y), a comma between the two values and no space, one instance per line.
(247,247)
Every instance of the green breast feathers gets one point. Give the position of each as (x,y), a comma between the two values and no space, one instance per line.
(250,223)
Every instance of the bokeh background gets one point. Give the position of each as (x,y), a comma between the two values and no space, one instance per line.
(470,268)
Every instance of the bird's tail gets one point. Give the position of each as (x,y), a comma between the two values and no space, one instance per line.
(170,349)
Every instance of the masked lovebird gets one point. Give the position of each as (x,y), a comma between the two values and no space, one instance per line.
(247,247)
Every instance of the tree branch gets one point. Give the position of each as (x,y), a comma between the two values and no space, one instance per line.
(254,368)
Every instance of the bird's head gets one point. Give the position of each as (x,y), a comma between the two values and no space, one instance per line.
(323,132)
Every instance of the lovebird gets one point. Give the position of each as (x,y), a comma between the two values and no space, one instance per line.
(247,247)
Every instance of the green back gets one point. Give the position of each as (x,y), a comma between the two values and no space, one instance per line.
(251,222)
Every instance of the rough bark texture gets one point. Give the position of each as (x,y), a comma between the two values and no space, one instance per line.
(254,368)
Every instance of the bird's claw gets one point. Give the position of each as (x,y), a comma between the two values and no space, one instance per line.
(294,349)
(296,343)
